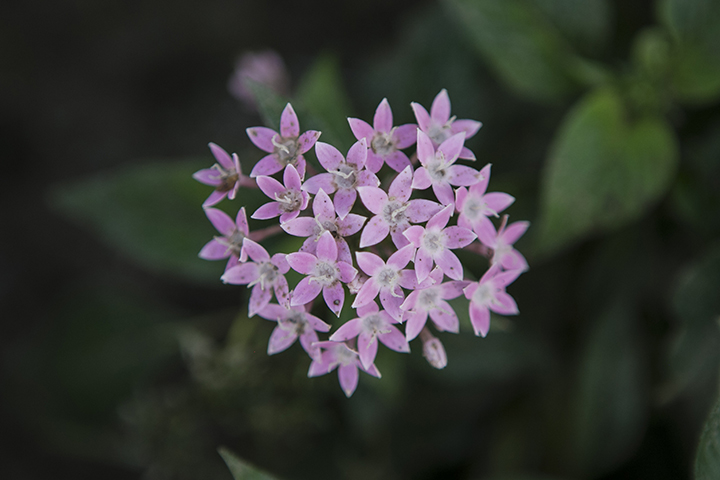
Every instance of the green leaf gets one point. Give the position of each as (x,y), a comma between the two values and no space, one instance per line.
(242,470)
(603,171)
(611,399)
(269,103)
(695,27)
(520,44)
(586,23)
(707,460)
(326,102)
(150,212)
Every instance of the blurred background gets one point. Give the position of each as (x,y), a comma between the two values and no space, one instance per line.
(124,357)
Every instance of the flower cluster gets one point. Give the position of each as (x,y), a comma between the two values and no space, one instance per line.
(403,269)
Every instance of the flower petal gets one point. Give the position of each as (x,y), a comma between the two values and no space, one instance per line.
(449,264)
(395,340)
(421,210)
(222,156)
(445,317)
(347,331)
(370,263)
(268,165)
(461,175)
(241,274)
(267,211)
(221,221)
(422,116)
(374,232)
(300,227)
(440,219)
(262,137)
(444,193)
(302,262)
(361,129)
(334,296)
(367,349)
(383,119)
(305,143)
(350,225)
(358,154)
(305,291)
(255,250)
(328,156)
(480,319)
(213,250)
(402,257)
(348,377)
(280,340)
(344,201)
(513,232)
(214,198)
(458,237)
(373,198)
(440,109)
(451,147)
(259,298)
(326,249)
(367,293)
(470,127)
(398,161)
(320,181)
(323,207)
(415,323)
(405,135)
(421,179)
(401,188)
(425,148)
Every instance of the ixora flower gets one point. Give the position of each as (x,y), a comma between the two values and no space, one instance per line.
(285,148)
(429,299)
(325,220)
(386,279)
(292,323)
(231,241)
(439,126)
(289,199)
(324,272)
(489,294)
(339,355)
(438,167)
(344,176)
(394,212)
(264,273)
(383,140)
(434,243)
(371,326)
(226,176)
(501,242)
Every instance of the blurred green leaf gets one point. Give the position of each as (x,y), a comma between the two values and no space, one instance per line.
(603,171)
(151,213)
(695,27)
(610,411)
(242,470)
(269,103)
(587,23)
(707,459)
(326,102)
(521,45)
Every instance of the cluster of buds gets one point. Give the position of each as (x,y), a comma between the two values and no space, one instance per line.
(390,230)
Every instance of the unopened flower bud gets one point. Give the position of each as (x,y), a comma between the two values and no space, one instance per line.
(433,349)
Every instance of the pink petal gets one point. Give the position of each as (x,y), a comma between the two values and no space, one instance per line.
(467,154)
(415,323)
(358,154)
(460,196)
(289,125)
(423,264)
(504,279)
(444,193)
(328,156)
(326,249)
(323,207)
(414,235)
(268,165)
(291,178)
(273,312)
(269,210)
(370,263)
(316,323)
(397,235)
(280,261)
(398,161)
(450,290)
(462,175)
(305,143)
(302,262)
(367,349)
(480,187)
(350,329)
(513,260)
(401,188)
(214,251)
(305,291)
(402,257)
(367,293)
(392,303)
(480,319)
(287,216)
(308,340)
(347,271)
(421,210)
(348,377)
(280,340)
(425,148)
(422,116)
(421,179)
(458,237)
(374,162)
(440,109)
(259,298)
(208,176)
(320,181)
(373,198)
(395,340)
(350,225)
(513,232)
(221,221)
(486,233)
(334,296)
(255,250)
(445,318)
(222,156)
(373,371)
(383,119)
(408,279)
(440,219)
(318,368)
(344,254)
(405,135)
(451,147)
(241,275)
(449,264)
(470,127)
(262,138)
(361,129)
(375,232)
(214,198)
(300,227)
(504,304)
(344,201)
(497,202)
(241,221)
(367,309)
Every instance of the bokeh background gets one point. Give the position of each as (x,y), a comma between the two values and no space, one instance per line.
(124,357)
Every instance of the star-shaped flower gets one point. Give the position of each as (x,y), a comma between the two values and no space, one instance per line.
(324,273)
(371,326)
(438,167)
(263,274)
(434,243)
(384,141)
(344,176)
(489,294)
(394,212)
(290,200)
(231,241)
(285,148)
(292,323)
(475,206)
(502,241)
(439,126)
(339,355)
(226,176)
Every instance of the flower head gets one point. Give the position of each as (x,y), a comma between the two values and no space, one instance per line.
(290,200)
(501,242)
(292,323)
(489,294)
(226,176)
(231,242)
(339,355)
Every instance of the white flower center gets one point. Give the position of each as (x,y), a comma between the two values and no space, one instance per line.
(290,200)
(437,168)
(440,133)
(388,277)
(375,325)
(484,294)
(382,143)
(228,178)
(345,177)
(286,149)
(295,322)
(434,242)
(344,355)
(267,273)
(325,273)
(394,213)
(427,299)
(473,207)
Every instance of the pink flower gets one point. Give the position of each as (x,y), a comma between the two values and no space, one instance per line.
(439,126)
(433,349)
(429,299)
(386,279)
(434,243)
(285,148)
(371,326)
(233,234)
(263,273)
(266,67)
(475,206)
(226,176)
(291,324)
(489,294)
(324,272)
(501,242)
(325,220)
(339,355)
(384,141)
(438,169)
(344,176)
(393,212)
(289,199)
